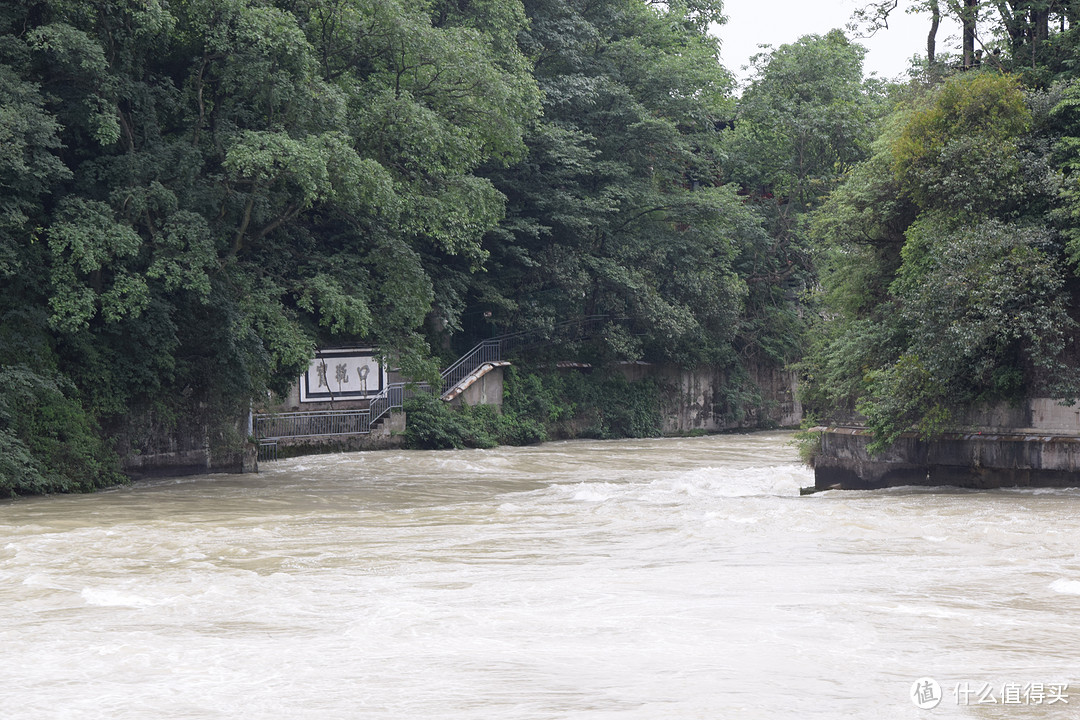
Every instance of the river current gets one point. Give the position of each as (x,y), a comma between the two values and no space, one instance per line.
(641,579)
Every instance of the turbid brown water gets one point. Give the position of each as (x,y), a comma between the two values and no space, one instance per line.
(675,578)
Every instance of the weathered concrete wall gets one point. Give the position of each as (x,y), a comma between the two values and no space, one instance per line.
(1032,415)
(207,440)
(970,460)
(483,387)
(998,417)
(1052,416)
(710,399)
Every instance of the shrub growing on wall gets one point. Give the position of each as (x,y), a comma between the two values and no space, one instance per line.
(539,406)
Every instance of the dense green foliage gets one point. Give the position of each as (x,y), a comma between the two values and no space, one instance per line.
(539,406)
(196,195)
(806,118)
(944,273)
(618,208)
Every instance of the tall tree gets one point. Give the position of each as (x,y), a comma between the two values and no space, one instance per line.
(202,192)
(804,121)
(617,210)
(931,35)
(969,19)
(943,279)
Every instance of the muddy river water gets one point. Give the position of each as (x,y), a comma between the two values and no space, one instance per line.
(641,579)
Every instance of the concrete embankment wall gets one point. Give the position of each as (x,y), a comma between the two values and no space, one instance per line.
(483,387)
(713,400)
(1034,445)
(207,440)
(692,399)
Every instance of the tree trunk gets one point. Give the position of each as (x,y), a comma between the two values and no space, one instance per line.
(968,19)
(1040,25)
(1039,29)
(931,38)
(1014,18)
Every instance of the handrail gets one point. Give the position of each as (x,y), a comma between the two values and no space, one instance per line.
(486,351)
(272,426)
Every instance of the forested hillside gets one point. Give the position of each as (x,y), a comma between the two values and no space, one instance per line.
(196,194)
(947,259)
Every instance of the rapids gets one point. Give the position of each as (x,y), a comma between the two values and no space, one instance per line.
(639,579)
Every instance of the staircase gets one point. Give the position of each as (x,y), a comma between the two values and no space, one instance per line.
(268,428)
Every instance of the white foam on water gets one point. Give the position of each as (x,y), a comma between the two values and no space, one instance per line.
(689,487)
(1066,587)
(1065,491)
(111,597)
(594,581)
(928,611)
(594,492)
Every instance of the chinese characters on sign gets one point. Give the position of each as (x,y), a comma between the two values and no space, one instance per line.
(342,374)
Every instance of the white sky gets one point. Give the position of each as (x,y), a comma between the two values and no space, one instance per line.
(778,22)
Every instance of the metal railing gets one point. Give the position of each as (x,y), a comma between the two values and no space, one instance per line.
(312,424)
(497,348)
(320,423)
(270,427)
(393,397)
(268,450)
(485,352)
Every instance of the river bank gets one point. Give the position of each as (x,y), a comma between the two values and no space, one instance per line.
(1030,444)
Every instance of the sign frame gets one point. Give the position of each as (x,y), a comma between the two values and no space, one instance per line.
(340,374)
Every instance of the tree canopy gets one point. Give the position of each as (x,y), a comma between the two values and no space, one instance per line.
(196,195)
(942,265)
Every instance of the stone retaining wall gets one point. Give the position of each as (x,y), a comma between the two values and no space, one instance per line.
(969,460)
(711,399)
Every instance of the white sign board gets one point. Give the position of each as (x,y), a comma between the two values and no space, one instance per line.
(342,374)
